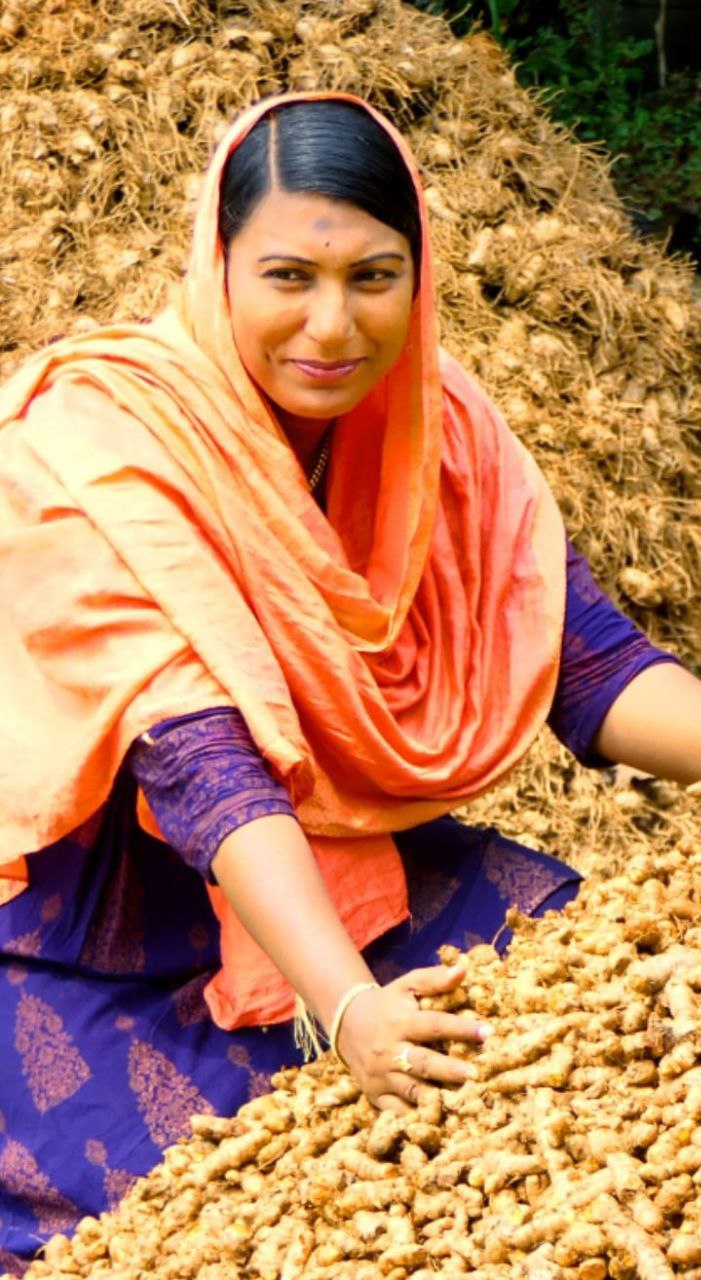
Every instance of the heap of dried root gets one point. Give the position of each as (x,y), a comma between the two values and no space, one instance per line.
(573,1152)
(589,339)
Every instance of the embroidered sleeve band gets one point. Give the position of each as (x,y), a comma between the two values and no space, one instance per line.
(203,778)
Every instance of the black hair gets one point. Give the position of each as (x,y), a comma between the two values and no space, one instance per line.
(326,148)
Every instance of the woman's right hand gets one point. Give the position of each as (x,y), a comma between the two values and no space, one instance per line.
(270,876)
(385,1038)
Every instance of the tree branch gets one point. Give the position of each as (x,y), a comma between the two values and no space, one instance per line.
(660,30)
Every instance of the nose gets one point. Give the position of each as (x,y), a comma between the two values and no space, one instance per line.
(329,317)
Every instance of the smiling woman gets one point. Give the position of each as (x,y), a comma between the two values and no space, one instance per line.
(321,225)
(322,296)
(270,687)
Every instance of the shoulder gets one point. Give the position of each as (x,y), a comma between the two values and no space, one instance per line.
(470,414)
(461,389)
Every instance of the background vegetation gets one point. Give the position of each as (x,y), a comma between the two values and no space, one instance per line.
(606,69)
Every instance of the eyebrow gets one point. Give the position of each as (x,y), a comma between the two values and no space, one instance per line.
(309,262)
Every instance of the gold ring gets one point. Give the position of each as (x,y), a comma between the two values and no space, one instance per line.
(402,1061)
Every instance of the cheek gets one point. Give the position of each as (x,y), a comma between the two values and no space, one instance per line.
(259,330)
(390,328)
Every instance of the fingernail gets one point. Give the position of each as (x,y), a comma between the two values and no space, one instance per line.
(485,1030)
(470,1071)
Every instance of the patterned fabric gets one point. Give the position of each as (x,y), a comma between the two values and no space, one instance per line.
(602,651)
(103,1062)
(203,778)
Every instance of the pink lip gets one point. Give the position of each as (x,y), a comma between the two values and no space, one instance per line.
(332,371)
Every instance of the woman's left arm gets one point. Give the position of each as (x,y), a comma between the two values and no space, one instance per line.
(620,698)
(655,724)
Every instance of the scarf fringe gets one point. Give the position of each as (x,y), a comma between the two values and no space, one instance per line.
(306,1032)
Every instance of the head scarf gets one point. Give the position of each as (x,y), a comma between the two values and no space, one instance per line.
(161,553)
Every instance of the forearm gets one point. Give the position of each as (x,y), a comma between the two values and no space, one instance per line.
(270,876)
(655,724)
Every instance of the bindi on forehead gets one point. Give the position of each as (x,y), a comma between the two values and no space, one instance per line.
(322,225)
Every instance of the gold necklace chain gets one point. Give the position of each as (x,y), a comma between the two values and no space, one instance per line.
(320,467)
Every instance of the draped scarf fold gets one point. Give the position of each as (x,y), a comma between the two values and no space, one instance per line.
(160,553)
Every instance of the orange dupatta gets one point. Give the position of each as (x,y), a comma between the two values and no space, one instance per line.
(160,553)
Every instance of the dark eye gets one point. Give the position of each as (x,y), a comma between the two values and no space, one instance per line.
(375,275)
(289,275)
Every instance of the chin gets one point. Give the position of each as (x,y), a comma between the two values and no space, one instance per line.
(319,402)
(320,406)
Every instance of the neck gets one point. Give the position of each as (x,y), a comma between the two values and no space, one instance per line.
(305,435)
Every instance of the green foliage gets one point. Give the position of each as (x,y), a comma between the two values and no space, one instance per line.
(661,165)
(596,75)
(499,13)
(597,81)
(602,84)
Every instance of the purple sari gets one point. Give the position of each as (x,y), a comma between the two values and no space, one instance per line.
(106,1043)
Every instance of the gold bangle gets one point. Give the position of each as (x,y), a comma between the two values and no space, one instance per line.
(341,1009)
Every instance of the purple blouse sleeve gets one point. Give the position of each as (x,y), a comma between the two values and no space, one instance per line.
(203,777)
(602,651)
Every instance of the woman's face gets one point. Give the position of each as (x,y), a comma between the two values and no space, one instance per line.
(320,295)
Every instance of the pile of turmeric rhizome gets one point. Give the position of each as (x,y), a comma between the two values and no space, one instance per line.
(576,1149)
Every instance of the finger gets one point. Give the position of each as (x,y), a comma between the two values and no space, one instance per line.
(432,981)
(426,1064)
(428,1025)
(390,1102)
(407,1088)
(426,1093)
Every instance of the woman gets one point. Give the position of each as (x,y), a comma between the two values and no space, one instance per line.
(280,583)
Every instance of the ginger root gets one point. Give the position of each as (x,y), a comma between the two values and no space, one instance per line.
(573,1151)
